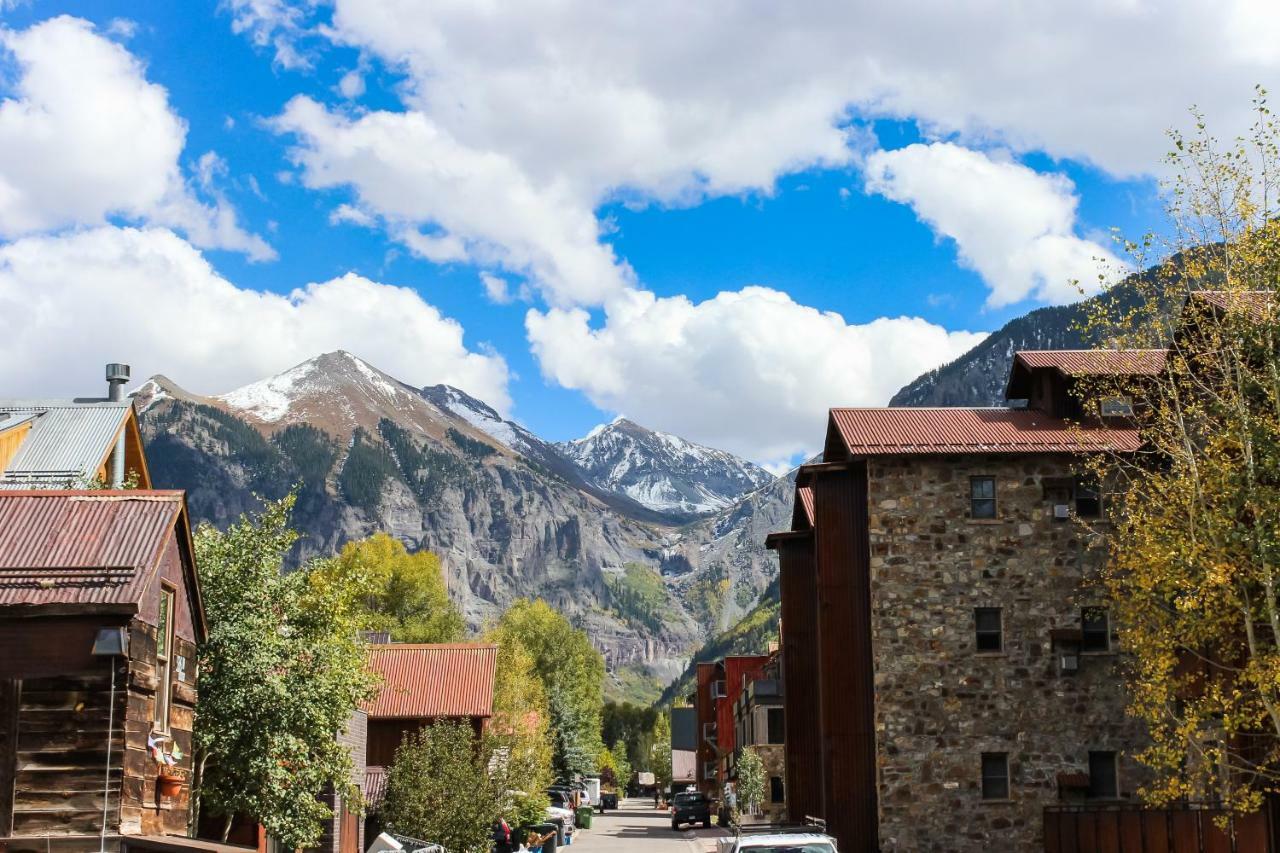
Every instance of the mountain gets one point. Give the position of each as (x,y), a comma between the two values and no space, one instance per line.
(510,515)
(660,471)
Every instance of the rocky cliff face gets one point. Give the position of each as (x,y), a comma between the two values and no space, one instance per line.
(508,513)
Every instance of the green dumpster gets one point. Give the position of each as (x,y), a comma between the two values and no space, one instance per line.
(584,817)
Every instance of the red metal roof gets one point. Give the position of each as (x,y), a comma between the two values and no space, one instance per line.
(1254,301)
(1097,362)
(433,680)
(804,494)
(88,548)
(375,786)
(912,431)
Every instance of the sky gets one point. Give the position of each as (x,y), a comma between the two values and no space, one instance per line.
(718,219)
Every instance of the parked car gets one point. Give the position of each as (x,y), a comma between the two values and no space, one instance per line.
(608,800)
(690,807)
(779,839)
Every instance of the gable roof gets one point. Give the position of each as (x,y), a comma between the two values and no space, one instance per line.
(69,440)
(433,680)
(1081,362)
(922,431)
(87,550)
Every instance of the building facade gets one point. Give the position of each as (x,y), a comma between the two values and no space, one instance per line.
(759,725)
(960,673)
(100,614)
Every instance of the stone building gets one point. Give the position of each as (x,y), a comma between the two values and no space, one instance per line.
(937,573)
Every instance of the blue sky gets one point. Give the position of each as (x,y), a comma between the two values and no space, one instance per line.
(953,190)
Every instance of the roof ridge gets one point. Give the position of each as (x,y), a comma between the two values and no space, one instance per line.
(431,646)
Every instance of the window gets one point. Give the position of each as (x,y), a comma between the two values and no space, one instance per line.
(1096,630)
(776,730)
(995,775)
(164,654)
(1088,500)
(1104,780)
(1115,407)
(988,630)
(982,497)
(776,792)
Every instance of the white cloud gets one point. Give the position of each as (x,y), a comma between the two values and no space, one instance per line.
(479,205)
(1011,224)
(495,288)
(84,137)
(274,24)
(351,86)
(71,303)
(749,371)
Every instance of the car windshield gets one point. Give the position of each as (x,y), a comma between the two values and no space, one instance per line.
(689,799)
(811,847)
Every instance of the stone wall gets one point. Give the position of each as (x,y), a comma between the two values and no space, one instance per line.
(773,757)
(940,703)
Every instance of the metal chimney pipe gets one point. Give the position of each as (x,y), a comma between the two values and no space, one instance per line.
(117,376)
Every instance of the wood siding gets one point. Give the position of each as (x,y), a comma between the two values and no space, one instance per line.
(798,581)
(842,555)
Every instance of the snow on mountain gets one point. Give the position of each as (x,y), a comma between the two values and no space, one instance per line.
(663,472)
(482,416)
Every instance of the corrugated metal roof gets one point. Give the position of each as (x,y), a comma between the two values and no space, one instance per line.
(85,547)
(804,494)
(433,680)
(375,786)
(912,431)
(1097,362)
(9,420)
(1255,301)
(68,440)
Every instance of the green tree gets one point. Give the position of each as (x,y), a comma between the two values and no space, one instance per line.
(572,672)
(439,789)
(1193,574)
(660,752)
(629,727)
(613,766)
(750,780)
(280,674)
(409,597)
(519,736)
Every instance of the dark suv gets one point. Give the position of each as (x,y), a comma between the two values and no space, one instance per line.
(691,807)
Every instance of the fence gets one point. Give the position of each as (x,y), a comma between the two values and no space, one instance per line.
(1130,828)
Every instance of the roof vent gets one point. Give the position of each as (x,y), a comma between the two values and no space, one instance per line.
(117,376)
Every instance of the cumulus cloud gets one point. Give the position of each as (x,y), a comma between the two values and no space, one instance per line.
(1014,226)
(564,105)
(71,303)
(750,371)
(84,137)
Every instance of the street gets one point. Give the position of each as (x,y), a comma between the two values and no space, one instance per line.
(637,827)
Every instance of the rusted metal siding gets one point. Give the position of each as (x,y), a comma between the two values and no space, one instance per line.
(82,548)
(870,432)
(737,669)
(433,680)
(842,557)
(799,588)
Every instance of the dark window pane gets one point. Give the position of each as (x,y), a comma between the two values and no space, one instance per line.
(995,776)
(982,497)
(1096,629)
(1088,500)
(988,629)
(775,726)
(776,793)
(1103,783)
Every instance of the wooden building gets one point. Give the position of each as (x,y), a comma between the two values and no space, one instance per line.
(946,676)
(100,613)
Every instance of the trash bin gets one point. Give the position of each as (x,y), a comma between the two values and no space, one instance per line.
(548,846)
(584,817)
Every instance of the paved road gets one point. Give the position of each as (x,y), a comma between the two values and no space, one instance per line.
(637,827)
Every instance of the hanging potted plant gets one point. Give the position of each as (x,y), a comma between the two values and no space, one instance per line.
(169,779)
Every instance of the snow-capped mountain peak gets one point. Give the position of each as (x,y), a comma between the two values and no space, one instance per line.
(662,471)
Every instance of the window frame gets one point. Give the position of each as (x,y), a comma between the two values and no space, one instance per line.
(1082,490)
(979,632)
(1114,775)
(781,725)
(1086,646)
(777,790)
(975,498)
(164,658)
(986,779)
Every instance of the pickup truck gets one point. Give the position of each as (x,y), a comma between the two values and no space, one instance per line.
(690,807)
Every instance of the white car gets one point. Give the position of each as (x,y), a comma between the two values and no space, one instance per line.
(798,841)
(557,813)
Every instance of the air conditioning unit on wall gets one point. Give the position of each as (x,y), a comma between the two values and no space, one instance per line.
(1061,511)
